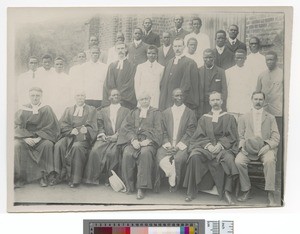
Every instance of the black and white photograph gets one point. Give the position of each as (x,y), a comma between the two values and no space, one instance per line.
(147,108)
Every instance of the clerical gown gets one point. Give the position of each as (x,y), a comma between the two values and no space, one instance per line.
(70,152)
(183,75)
(138,165)
(105,155)
(122,80)
(186,129)
(31,162)
(204,169)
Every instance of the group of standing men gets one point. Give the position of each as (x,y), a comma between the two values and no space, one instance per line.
(148,100)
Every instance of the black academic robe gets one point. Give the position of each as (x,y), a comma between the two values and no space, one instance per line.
(205,169)
(30,162)
(151,39)
(138,165)
(211,80)
(105,155)
(224,60)
(186,130)
(183,75)
(122,80)
(161,58)
(70,152)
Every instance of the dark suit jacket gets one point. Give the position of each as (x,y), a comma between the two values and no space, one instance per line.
(236,46)
(217,82)
(224,60)
(151,39)
(137,55)
(182,33)
(161,59)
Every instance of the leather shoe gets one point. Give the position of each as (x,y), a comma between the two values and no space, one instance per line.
(228,199)
(43,182)
(188,199)
(246,196)
(140,194)
(271,199)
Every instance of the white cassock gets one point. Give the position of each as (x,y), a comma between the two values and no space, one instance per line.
(147,80)
(196,58)
(57,92)
(240,84)
(203,44)
(44,74)
(25,81)
(76,70)
(257,63)
(91,80)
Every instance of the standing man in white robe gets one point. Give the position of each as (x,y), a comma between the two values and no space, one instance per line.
(148,76)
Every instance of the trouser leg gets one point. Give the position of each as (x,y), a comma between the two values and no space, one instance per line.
(269,162)
(241,161)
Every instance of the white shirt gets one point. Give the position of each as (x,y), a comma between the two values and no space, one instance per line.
(232,41)
(137,43)
(177,112)
(113,111)
(203,43)
(220,49)
(112,55)
(215,115)
(197,59)
(257,63)
(240,84)
(178,57)
(166,49)
(92,80)
(143,113)
(257,117)
(44,74)
(79,111)
(147,80)
(76,70)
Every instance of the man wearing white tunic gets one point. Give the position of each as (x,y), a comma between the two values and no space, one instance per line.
(57,88)
(192,44)
(202,38)
(93,77)
(148,76)
(255,60)
(240,84)
(27,80)
(76,70)
(46,70)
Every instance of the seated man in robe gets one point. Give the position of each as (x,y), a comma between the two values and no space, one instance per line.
(78,132)
(140,136)
(104,155)
(36,130)
(179,125)
(212,151)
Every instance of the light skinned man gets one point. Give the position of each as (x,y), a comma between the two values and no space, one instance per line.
(259,139)
(112,52)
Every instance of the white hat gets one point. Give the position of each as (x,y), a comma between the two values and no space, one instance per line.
(116,183)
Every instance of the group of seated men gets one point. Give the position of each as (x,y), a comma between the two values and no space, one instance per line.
(138,116)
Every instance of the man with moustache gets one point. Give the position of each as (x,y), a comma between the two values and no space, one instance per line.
(232,42)
(211,153)
(203,41)
(149,37)
(259,139)
(148,76)
(165,52)
(212,78)
(179,125)
(120,76)
(178,31)
(140,136)
(105,154)
(224,56)
(78,131)
(180,72)
(112,52)
(137,50)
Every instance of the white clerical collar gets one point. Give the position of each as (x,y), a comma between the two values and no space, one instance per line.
(215,115)
(79,111)
(176,59)
(167,47)
(231,41)
(151,64)
(255,111)
(143,113)
(33,108)
(120,63)
(137,43)
(220,49)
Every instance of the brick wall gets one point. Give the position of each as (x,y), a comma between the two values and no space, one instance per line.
(269,28)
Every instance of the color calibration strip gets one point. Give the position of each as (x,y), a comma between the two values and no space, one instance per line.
(144,230)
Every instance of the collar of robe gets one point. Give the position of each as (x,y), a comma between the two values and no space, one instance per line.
(33,108)
(215,115)
(79,111)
